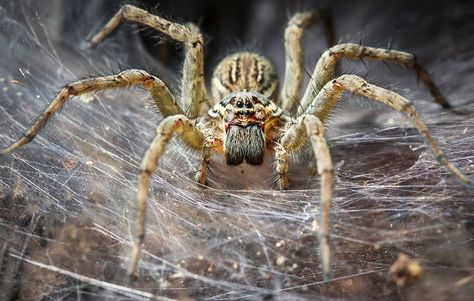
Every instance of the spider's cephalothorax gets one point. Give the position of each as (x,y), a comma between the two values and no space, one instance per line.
(246,121)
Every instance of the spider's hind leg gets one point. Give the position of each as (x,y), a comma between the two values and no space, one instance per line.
(164,100)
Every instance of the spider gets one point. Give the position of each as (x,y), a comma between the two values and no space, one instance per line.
(246,115)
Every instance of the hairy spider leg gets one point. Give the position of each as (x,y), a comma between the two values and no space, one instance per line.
(193,87)
(324,71)
(330,94)
(293,140)
(323,103)
(291,90)
(180,125)
(162,97)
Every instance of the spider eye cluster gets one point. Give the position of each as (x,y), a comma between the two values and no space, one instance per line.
(248,104)
(245,103)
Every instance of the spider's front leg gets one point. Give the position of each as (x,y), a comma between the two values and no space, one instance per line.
(331,92)
(294,138)
(193,88)
(324,70)
(291,91)
(164,100)
(180,125)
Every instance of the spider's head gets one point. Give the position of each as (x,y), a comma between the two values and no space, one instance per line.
(245,115)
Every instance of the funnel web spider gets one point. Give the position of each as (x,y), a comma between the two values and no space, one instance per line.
(249,116)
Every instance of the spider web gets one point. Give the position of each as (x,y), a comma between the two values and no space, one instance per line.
(67,205)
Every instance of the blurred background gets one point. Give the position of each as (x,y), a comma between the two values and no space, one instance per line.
(67,199)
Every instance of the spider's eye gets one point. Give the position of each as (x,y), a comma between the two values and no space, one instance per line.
(248,105)
(240,104)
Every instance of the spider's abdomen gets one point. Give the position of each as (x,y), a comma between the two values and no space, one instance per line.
(245,71)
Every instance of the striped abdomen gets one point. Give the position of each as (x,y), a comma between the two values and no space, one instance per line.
(245,71)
